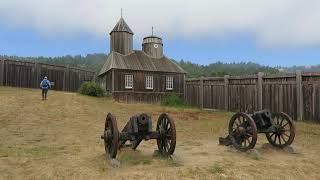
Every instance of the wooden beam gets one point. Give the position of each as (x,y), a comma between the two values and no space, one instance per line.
(260,81)
(314,101)
(226,92)
(201,93)
(66,82)
(299,95)
(112,78)
(2,72)
(38,73)
(184,87)
(35,74)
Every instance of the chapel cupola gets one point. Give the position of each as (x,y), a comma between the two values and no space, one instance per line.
(152,45)
(121,38)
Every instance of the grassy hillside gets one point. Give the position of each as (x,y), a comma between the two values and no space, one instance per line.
(60,139)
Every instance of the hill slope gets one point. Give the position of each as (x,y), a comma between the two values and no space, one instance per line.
(58,140)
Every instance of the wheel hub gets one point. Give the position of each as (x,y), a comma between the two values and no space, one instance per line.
(108,135)
(240,131)
(278,129)
(162,132)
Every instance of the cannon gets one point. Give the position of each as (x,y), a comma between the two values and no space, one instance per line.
(244,128)
(138,128)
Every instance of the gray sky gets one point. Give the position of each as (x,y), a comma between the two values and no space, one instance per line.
(274,22)
(273,32)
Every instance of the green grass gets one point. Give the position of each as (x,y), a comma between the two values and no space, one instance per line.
(135,160)
(173,163)
(18,151)
(173,100)
(216,169)
(146,161)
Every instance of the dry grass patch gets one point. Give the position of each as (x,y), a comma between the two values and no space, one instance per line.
(60,139)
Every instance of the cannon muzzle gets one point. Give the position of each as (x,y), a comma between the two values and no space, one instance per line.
(143,119)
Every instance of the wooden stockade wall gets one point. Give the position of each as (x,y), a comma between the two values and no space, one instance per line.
(29,75)
(297,94)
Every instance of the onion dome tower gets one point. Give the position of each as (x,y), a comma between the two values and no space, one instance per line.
(121,38)
(152,46)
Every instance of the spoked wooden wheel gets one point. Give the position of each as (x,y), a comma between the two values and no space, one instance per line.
(284,130)
(167,130)
(111,136)
(242,131)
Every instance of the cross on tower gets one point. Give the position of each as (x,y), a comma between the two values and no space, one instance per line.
(152,30)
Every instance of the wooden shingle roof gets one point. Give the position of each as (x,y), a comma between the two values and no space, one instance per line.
(138,60)
(122,26)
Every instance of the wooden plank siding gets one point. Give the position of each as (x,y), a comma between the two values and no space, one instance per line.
(213,91)
(29,75)
(279,94)
(192,91)
(276,92)
(1,72)
(139,97)
(139,93)
(242,94)
(159,81)
(311,97)
(121,42)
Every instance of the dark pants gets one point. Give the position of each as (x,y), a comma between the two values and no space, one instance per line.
(44,94)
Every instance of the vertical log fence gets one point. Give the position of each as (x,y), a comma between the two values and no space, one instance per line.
(297,94)
(29,75)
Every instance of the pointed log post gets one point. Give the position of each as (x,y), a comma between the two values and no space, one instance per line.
(184,88)
(226,92)
(2,72)
(66,82)
(260,81)
(37,73)
(299,95)
(201,92)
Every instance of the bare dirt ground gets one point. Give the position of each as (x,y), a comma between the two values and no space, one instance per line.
(60,139)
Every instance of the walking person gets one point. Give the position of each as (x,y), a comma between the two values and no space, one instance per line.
(45,85)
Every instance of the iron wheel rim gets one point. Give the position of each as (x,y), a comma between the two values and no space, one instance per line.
(284,130)
(242,131)
(167,131)
(111,136)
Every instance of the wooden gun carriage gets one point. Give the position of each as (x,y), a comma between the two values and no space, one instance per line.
(243,129)
(138,128)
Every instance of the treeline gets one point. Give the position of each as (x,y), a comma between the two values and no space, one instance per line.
(220,69)
(95,62)
(91,61)
(315,68)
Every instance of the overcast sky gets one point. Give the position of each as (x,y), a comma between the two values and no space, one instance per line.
(273,32)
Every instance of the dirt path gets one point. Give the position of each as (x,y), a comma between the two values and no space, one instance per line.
(60,139)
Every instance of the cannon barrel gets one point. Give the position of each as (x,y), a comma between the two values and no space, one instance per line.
(265,112)
(262,118)
(142,123)
(138,123)
(143,119)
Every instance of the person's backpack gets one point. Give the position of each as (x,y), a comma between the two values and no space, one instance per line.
(44,84)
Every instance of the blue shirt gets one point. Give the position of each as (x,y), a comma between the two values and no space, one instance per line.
(45,84)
